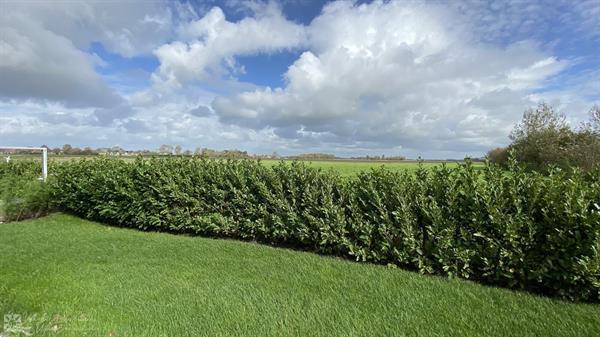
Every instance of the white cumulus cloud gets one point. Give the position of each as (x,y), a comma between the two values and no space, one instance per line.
(207,46)
(397,74)
(438,79)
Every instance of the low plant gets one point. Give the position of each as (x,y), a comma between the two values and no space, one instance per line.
(22,198)
(28,168)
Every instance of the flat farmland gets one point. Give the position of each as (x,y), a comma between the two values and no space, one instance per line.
(344,166)
(350,167)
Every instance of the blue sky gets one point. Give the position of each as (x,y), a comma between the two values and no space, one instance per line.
(418,78)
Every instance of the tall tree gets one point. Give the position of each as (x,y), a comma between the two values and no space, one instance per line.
(67,148)
(542,138)
(165,149)
(587,142)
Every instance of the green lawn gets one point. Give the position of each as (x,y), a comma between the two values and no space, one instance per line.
(86,279)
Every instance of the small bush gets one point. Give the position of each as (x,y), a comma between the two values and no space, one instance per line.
(498,156)
(512,228)
(22,194)
(543,139)
(27,168)
(22,197)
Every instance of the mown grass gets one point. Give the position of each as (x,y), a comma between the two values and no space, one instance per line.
(80,278)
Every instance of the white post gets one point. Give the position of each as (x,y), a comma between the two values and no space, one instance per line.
(44,164)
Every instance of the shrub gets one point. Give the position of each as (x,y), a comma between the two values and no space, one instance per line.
(498,156)
(543,139)
(510,228)
(22,194)
(23,198)
(28,168)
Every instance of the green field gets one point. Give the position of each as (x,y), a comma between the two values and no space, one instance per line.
(349,167)
(79,278)
(344,167)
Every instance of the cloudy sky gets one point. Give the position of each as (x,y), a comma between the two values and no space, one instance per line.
(439,79)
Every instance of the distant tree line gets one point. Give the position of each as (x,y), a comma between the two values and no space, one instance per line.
(382,157)
(313,156)
(167,149)
(66,149)
(231,154)
(544,139)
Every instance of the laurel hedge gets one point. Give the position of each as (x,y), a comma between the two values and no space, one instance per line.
(508,228)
